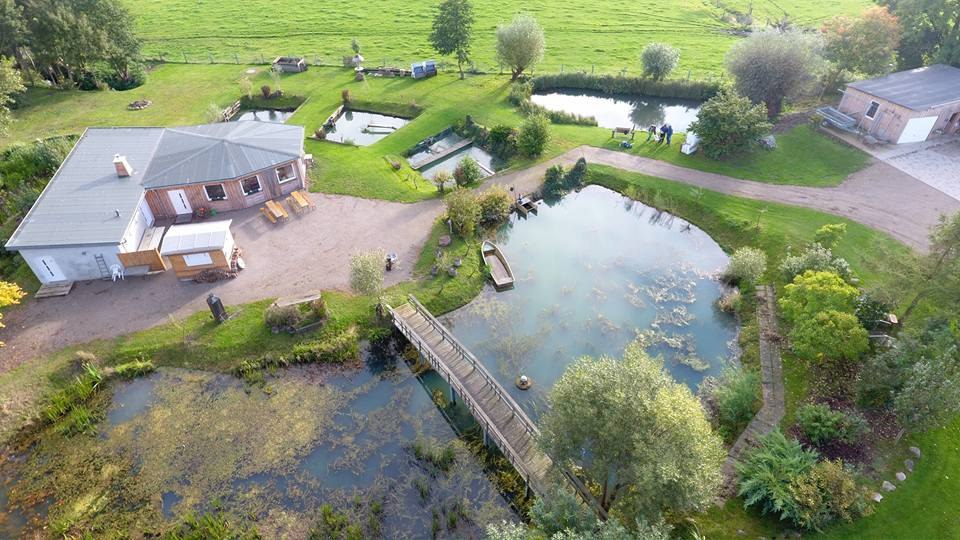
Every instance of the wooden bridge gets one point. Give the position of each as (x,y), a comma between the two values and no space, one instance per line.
(500,417)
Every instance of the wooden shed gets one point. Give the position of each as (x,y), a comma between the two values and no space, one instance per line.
(197,247)
(289,64)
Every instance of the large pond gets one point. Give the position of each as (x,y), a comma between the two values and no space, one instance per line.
(264,115)
(616,110)
(310,437)
(594,272)
(363,128)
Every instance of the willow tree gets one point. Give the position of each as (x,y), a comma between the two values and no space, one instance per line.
(520,44)
(635,432)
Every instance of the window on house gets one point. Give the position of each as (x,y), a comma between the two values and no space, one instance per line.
(872,109)
(251,185)
(285,173)
(197,259)
(215,192)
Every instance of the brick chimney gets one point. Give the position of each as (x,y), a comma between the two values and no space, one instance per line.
(122,166)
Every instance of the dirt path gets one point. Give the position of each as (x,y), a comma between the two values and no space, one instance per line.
(313,251)
(879,196)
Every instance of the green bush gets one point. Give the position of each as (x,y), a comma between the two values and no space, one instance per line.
(529,108)
(502,141)
(553,180)
(827,493)
(737,398)
(729,124)
(829,335)
(575,176)
(730,302)
(25,170)
(534,135)
(338,349)
(283,318)
(134,78)
(495,204)
(767,473)
(746,265)
(611,84)
(520,92)
(659,60)
(815,291)
(816,258)
(467,172)
(134,369)
(823,425)
(830,234)
(463,211)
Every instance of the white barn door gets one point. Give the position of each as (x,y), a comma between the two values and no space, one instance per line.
(48,268)
(178,198)
(917,129)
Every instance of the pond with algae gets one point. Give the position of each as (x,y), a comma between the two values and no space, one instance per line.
(176,441)
(594,272)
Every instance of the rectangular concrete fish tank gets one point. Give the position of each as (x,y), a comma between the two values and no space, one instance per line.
(444,151)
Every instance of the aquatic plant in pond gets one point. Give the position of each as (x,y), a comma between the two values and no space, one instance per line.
(596,271)
(176,441)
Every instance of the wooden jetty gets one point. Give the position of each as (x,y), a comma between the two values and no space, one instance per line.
(500,269)
(500,417)
(525,205)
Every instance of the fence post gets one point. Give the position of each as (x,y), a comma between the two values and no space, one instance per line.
(185,61)
(210,55)
(593,68)
(688,75)
(261,59)
(162,61)
(561,69)
(623,72)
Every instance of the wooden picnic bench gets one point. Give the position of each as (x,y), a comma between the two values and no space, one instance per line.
(266,213)
(302,200)
(276,210)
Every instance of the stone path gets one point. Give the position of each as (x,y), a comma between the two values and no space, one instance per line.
(771,379)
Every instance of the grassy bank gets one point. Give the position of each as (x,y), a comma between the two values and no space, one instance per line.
(580,34)
(183,94)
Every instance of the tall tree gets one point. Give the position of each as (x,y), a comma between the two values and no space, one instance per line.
(862,45)
(10,84)
(643,438)
(937,274)
(12,27)
(931,31)
(451,30)
(520,44)
(771,66)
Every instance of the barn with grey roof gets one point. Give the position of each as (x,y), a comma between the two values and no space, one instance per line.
(907,106)
(102,205)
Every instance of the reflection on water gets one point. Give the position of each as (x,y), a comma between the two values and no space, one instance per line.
(265,115)
(595,272)
(616,110)
(363,128)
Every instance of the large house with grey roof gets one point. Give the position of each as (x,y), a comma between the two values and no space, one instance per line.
(907,106)
(100,207)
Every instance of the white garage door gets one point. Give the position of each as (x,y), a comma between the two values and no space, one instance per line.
(917,129)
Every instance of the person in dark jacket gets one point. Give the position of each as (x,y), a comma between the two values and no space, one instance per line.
(668,129)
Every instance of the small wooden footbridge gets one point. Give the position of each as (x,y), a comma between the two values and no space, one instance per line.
(499,415)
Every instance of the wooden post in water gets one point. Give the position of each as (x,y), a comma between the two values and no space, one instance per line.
(453,395)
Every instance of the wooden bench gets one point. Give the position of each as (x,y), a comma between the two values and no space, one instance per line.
(278,212)
(293,205)
(266,213)
(303,200)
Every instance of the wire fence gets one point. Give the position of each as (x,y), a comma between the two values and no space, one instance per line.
(326,60)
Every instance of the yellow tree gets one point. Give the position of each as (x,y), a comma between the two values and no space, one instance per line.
(10,294)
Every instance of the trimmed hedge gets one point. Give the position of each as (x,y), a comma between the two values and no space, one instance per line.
(612,84)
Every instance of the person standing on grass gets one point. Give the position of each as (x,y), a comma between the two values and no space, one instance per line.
(669,132)
(651,131)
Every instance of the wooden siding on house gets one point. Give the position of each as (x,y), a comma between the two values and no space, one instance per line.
(149,258)
(271,188)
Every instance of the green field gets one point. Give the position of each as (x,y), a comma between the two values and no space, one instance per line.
(581,34)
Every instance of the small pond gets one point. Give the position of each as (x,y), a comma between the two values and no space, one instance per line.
(488,163)
(619,110)
(310,437)
(595,271)
(264,115)
(363,128)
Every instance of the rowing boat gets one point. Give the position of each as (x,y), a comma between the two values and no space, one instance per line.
(500,269)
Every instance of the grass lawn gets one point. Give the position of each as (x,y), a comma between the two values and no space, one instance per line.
(182,94)
(580,33)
